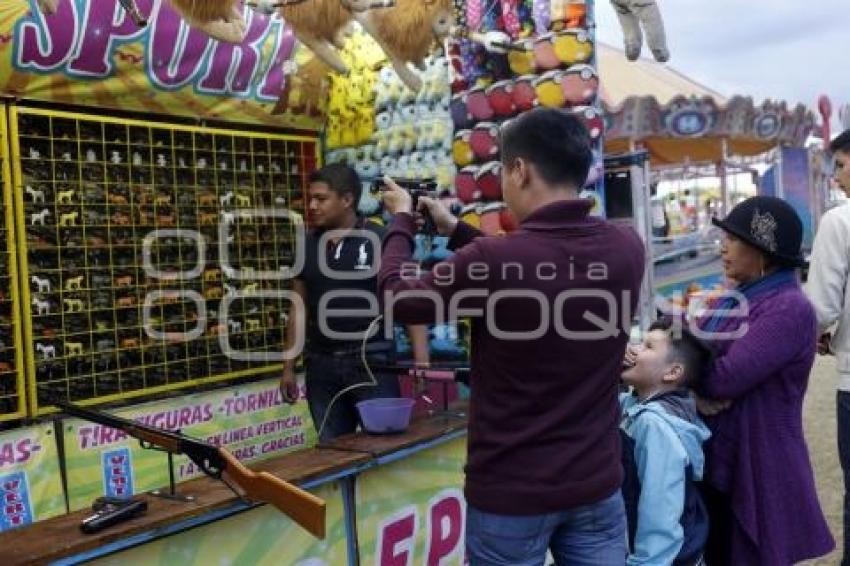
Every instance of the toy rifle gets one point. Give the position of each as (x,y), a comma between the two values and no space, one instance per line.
(301,506)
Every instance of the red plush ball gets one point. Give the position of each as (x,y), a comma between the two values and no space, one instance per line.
(484,141)
(523,93)
(500,96)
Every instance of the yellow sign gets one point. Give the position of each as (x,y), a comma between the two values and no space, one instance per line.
(92,54)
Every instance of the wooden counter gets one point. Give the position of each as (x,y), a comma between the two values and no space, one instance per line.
(61,537)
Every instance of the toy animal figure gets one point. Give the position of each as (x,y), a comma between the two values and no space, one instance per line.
(318,25)
(242,200)
(74,283)
(73,305)
(73,349)
(48,351)
(41,307)
(39,217)
(406,32)
(65,197)
(637,14)
(220,19)
(115,198)
(69,219)
(35,195)
(213,293)
(43,284)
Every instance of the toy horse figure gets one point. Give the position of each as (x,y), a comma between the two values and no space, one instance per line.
(635,14)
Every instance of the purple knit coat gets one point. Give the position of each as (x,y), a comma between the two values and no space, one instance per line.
(757,454)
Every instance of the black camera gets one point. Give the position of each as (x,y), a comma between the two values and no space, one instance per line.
(416,187)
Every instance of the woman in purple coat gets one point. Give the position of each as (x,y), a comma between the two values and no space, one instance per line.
(761,491)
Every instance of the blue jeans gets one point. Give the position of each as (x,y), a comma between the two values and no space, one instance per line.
(590,535)
(842,414)
(326,376)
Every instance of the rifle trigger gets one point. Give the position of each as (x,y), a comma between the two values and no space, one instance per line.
(241,496)
(149,446)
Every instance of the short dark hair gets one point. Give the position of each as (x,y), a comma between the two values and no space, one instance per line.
(555,141)
(685,349)
(841,143)
(341,179)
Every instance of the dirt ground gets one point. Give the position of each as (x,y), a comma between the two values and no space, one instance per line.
(819,418)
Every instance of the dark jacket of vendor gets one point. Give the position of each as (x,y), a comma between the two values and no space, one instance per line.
(548,304)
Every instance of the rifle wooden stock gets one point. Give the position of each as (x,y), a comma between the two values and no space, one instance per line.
(301,506)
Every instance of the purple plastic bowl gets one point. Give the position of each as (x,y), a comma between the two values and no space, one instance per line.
(385,415)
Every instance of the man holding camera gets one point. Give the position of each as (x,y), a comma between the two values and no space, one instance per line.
(342,254)
(546,302)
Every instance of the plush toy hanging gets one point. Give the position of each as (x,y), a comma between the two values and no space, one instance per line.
(405,29)
(542,16)
(510,18)
(637,14)
(220,19)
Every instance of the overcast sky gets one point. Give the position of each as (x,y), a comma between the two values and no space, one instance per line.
(791,50)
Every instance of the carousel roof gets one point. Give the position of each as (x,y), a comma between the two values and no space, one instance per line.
(622,79)
(678,120)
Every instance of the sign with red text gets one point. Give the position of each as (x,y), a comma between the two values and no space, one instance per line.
(30,484)
(251,421)
(90,53)
(412,511)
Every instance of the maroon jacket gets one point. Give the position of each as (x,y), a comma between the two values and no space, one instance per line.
(543,409)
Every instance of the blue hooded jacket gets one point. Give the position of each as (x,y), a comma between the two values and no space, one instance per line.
(666,436)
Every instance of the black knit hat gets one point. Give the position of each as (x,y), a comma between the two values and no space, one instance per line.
(770,225)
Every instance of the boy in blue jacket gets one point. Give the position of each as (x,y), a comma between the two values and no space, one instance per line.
(662,449)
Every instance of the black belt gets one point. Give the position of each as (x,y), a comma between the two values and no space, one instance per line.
(379,348)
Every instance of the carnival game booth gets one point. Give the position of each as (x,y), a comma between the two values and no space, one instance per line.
(154,158)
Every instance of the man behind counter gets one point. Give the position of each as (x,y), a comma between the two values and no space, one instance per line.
(333,339)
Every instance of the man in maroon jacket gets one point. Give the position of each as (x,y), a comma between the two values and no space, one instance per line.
(550,304)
